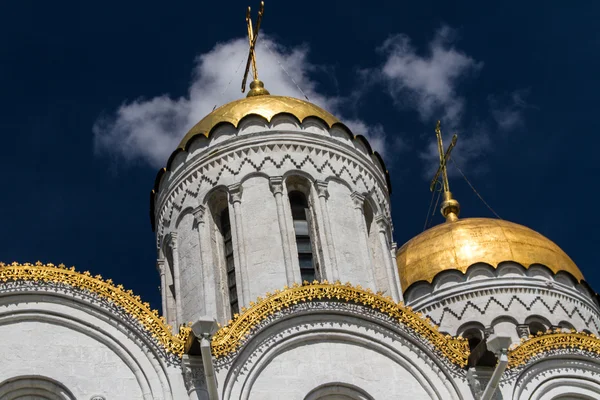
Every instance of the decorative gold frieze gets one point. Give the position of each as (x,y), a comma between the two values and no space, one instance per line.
(131,304)
(229,338)
(551,340)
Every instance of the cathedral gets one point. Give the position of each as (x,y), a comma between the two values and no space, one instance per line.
(280,280)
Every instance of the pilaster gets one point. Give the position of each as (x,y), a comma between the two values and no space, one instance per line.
(276,184)
(323,195)
(392,269)
(200,277)
(160,266)
(359,200)
(176,278)
(235,198)
(194,377)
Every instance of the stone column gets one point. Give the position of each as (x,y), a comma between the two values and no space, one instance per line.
(198,213)
(176,279)
(391,268)
(359,201)
(160,265)
(194,377)
(523,331)
(323,194)
(235,197)
(276,184)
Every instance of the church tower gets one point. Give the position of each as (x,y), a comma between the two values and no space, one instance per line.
(267,192)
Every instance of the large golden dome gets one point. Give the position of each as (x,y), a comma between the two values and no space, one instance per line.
(266,106)
(459,244)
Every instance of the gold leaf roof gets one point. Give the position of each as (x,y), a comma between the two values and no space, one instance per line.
(266,106)
(460,244)
(125,299)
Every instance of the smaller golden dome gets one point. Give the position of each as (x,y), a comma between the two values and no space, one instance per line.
(266,106)
(459,244)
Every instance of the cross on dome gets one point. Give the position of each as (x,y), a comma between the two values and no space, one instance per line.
(257,88)
(450,207)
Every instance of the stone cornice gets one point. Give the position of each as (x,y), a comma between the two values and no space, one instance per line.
(498,285)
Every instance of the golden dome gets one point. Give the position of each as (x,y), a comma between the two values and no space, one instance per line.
(458,245)
(266,106)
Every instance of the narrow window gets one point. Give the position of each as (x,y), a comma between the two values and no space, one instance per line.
(229,262)
(300,215)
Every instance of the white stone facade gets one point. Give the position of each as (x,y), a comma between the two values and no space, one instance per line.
(228,234)
(249,171)
(57,344)
(507,300)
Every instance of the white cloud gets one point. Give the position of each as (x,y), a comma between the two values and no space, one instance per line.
(428,82)
(508,110)
(149,130)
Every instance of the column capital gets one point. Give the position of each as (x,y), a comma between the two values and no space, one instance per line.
(382,223)
(235,193)
(172,240)
(276,184)
(160,266)
(523,331)
(198,213)
(194,376)
(358,199)
(322,189)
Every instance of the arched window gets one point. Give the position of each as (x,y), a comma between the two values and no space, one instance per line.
(479,356)
(225,228)
(34,387)
(301,217)
(338,391)
(537,324)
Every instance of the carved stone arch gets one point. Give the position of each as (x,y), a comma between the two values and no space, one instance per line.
(509,269)
(448,278)
(209,198)
(304,330)
(318,127)
(540,271)
(285,121)
(338,391)
(299,180)
(340,181)
(505,325)
(537,323)
(221,132)
(471,327)
(559,377)
(480,271)
(252,123)
(95,323)
(182,214)
(34,387)
(256,174)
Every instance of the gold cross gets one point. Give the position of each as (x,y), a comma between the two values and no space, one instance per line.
(252,36)
(443,160)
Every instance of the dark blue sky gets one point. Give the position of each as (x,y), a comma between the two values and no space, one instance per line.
(65,64)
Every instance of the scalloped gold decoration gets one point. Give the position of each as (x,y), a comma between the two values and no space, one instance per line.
(551,340)
(125,299)
(264,106)
(228,338)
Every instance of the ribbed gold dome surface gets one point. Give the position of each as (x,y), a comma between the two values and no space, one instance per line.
(458,245)
(266,106)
